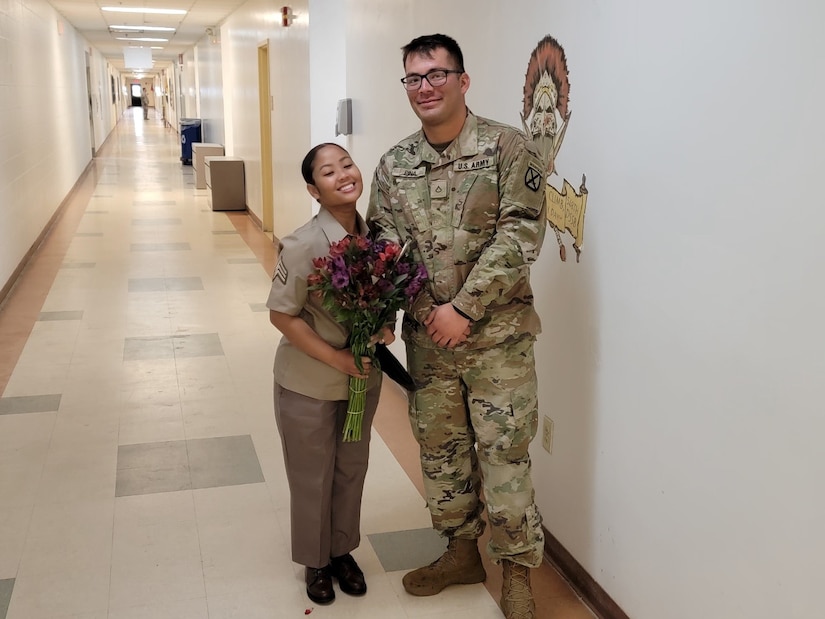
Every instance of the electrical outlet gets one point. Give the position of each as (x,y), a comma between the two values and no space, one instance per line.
(547,435)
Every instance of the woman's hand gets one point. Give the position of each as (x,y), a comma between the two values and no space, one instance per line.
(384,336)
(343,361)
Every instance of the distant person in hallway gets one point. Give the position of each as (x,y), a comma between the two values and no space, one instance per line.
(312,370)
(144,103)
(470,193)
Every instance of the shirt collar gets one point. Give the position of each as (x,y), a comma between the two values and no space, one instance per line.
(465,145)
(333,230)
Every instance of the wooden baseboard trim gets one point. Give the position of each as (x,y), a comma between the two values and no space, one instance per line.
(255,218)
(58,213)
(591,593)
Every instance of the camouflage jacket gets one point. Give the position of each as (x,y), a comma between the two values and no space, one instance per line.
(476,216)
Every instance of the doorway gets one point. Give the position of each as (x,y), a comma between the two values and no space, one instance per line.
(265,107)
(134,91)
(91,103)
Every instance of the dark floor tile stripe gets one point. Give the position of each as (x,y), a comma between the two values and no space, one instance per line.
(64,315)
(6,587)
(16,405)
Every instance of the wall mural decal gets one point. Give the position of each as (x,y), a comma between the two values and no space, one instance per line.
(546,115)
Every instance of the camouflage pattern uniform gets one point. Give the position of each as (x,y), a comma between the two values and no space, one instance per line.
(476,215)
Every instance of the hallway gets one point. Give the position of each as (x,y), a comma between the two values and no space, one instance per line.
(140,467)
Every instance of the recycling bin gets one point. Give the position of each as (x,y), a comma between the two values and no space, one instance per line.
(190,132)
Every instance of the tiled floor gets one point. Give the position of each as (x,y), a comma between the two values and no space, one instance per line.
(140,467)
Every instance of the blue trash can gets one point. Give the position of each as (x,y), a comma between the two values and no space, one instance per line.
(190,132)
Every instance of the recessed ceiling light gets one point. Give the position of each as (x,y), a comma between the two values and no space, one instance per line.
(153,28)
(148,39)
(123,9)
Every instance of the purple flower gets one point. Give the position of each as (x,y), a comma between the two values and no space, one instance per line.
(340,279)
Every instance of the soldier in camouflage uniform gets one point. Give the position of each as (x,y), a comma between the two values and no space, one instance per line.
(469,193)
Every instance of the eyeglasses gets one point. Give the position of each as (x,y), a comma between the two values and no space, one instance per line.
(436,77)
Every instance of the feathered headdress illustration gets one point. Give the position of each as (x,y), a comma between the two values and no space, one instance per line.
(546,112)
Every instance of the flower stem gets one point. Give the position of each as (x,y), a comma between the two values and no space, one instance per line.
(357,402)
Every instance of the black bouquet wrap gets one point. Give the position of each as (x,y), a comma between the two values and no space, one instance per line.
(392,367)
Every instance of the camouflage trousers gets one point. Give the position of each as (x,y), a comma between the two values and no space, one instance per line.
(474,415)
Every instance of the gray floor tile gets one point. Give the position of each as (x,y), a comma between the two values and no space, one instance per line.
(406,550)
(6,587)
(258,307)
(151,468)
(88,212)
(224,232)
(168,454)
(242,260)
(165,347)
(182,284)
(144,348)
(154,202)
(197,345)
(64,315)
(160,246)
(223,461)
(147,284)
(29,404)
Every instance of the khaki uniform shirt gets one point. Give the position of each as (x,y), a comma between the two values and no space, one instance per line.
(476,215)
(294,369)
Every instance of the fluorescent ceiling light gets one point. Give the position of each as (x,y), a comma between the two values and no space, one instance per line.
(153,28)
(142,39)
(123,9)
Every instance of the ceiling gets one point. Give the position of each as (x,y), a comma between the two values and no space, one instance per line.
(94,24)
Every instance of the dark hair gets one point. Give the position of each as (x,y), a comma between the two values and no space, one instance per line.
(428,43)
(309,160)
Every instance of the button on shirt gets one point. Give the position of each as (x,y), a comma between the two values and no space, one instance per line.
(294,369)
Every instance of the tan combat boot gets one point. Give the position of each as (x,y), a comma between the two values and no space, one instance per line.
(516,596)
(459,565)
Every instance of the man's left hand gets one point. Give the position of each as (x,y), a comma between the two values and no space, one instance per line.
(446,327)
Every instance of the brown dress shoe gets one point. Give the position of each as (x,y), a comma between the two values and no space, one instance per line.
(319,585)
(349,575)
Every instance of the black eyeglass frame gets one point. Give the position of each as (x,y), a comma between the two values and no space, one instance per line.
(426,76)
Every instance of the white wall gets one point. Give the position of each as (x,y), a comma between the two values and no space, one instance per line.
(682,359)
(188,86)
(210,86)
(45,136)
(254,24)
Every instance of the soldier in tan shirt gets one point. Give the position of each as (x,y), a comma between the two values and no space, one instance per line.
(312,370)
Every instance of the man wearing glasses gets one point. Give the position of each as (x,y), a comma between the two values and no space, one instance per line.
(469,193)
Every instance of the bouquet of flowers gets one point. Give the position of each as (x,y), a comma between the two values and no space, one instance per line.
(363,283)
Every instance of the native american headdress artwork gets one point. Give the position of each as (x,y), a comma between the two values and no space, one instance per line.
(545,115)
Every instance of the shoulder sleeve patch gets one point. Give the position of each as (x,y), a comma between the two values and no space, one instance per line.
(281,272)
(533,179)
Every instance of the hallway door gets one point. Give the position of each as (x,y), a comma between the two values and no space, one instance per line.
(91,105)
(265,107)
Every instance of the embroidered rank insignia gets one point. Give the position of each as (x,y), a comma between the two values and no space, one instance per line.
(532,178)
(438,189)
(281,272)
